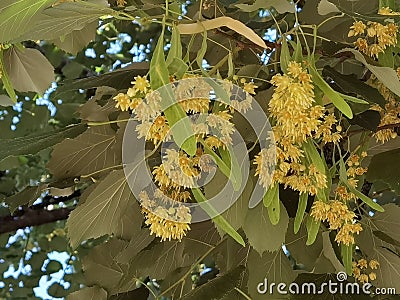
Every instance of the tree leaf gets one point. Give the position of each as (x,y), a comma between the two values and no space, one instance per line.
(388,221)
(365,199)
(386,254)
(383,167)
(137,244)
(271,195)
(336,99)
(312,230)
(273,267)
(285,55)
(350,84)
(28,69)
(325,7)
(102,211)
(64,19)
(261,233)
(301,209)
(280,6)
(219,220)
(233,24)
(217,287)
(26,197)
(347,257)
(38,141)
(94,150)
(16,18)
(159,259)
(101,269)
(305,256)
(89,293)
(176,47)
(387,76)
(6,101)
(76,40)
(177,119)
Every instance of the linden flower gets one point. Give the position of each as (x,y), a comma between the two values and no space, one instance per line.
(386,11)
(373,264)
(165,229)
(123,101)
(141,84)
(249,87)
(357,29)
(121,3)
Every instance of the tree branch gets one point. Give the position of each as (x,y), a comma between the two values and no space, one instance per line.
(32,217)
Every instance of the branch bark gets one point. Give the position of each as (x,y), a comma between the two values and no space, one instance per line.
(32,217)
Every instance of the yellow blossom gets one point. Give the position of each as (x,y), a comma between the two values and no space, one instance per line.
(123,101)
(356,29)
(140,84)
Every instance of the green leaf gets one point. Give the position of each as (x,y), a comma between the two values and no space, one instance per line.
(261,233)
(26,197)
(101,269)
(235,174)
(66,20)
(274,209)
(177,119)
(103,209)
(304,255)
(28,69)
(219,220)
(217,287)
(325,7)
(201,53)
(385,167)
(94,150)
(336,99)
(17,18)
(312,230)
(285,55)
(5,100)
(280,6)
(347,257)
(388,221)
(271,266)
(301,209)
(5,78)
(387,76)
(365,199)
(176,47)
(178,67)
(223,167)
(271,195)
(350,84)
(159,259)
(89,293)
(77,40)
(36,142)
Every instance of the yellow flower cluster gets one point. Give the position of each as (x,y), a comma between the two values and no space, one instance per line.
(376,36)
(339,217)
(360,270)
(354,169)
(179,171)
(297,119)
(387,11)
(121,3)
(389,115)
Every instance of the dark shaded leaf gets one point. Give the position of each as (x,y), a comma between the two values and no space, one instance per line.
(218,287)
(36,142)
(350,84)
(385,167)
